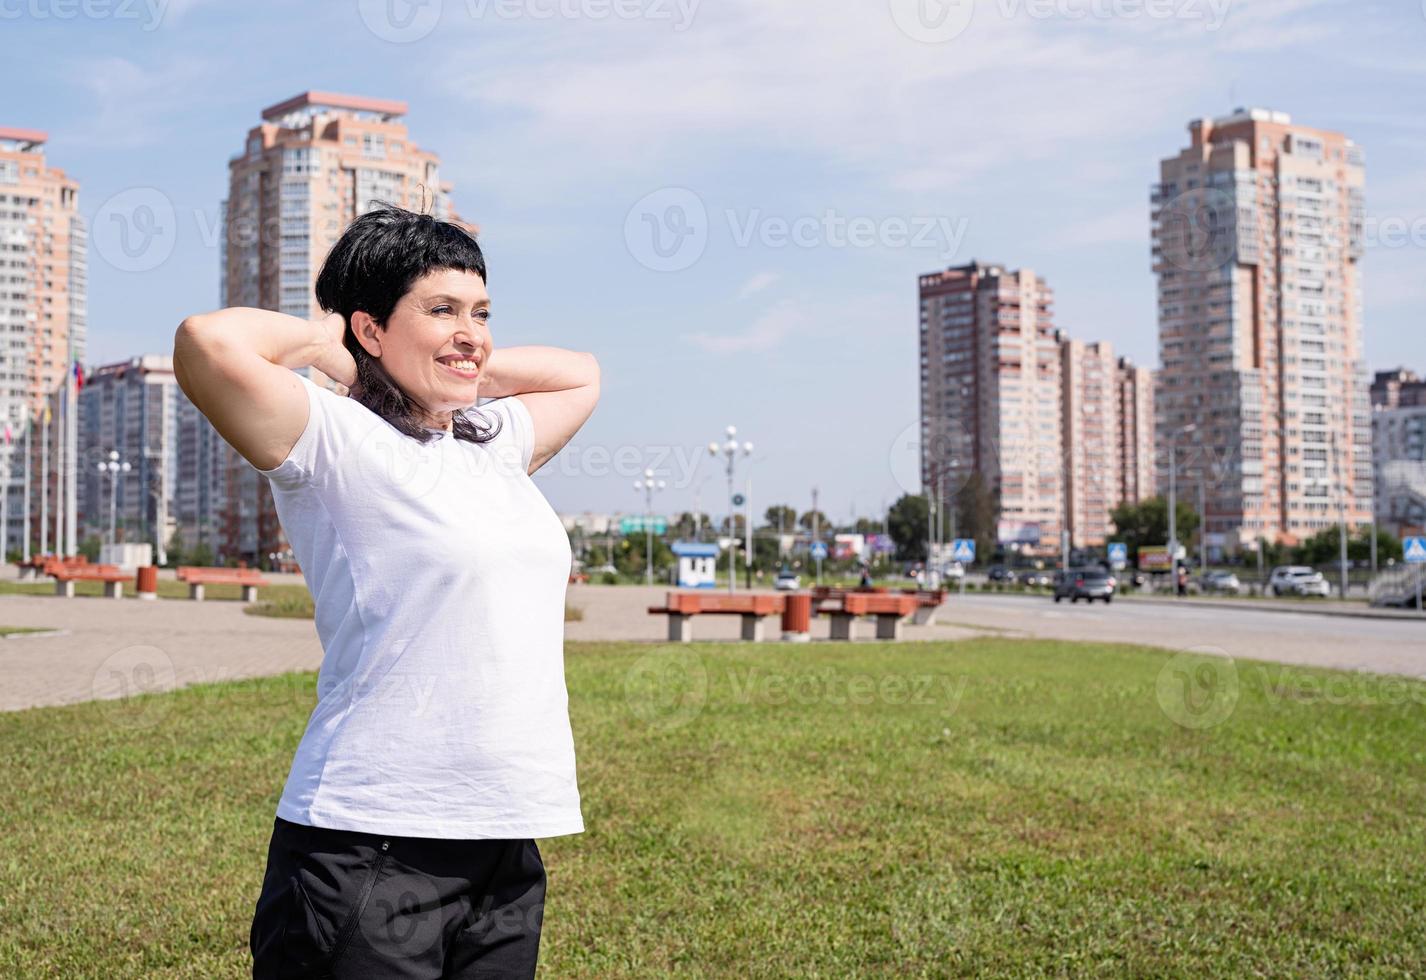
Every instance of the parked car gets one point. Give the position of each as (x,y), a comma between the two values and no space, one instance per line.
(1085,583)
(999,573)
(787,581)
(954,572)
(1220,583)
(1298,580)
(1034,577)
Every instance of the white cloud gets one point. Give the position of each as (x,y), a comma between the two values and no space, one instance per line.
(765,333)
(757,284)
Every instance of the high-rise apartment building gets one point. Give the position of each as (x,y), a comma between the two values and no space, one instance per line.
(43,285)
(1257,229)
(1398,389)
(314,163)
(1135,424)
(130,409)
(1089,394)
(991,394)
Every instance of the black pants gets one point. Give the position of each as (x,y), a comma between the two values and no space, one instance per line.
(344,904)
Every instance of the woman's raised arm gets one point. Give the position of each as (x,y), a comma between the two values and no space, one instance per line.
(236,366)
(560,388)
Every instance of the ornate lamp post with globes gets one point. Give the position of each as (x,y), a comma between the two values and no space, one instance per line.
(730,449)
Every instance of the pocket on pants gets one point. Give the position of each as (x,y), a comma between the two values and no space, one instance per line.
(316,887)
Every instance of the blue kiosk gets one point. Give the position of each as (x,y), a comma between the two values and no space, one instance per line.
(697,564)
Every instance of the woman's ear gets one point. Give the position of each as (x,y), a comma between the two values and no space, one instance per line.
(368,334)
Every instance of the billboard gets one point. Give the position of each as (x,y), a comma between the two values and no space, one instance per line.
(1017,532)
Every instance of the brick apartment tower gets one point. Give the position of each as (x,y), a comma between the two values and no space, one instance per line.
(1090,392)
(1135,410)
(1257,239)
(990,394)
(43,264)
(315,162)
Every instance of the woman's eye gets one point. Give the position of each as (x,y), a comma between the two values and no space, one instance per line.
(441,309)
(483,314)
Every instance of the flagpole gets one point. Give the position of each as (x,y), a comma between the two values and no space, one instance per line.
(61,477)
(71,510)
(45,479)
(25,545)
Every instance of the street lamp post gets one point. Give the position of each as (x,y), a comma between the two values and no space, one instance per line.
(1173,496)
(730,449)
(114,466)
(648,485)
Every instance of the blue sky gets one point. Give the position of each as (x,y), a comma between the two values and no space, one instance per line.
(822,153)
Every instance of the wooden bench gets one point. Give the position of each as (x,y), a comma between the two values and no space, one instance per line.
(888,608)
(40,565)
(65,575)
(931,600)
(681,607)
(197,577)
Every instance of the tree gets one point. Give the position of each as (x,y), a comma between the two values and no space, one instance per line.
(1147,523)
(781,515)
(805,521)
(977,513)
(908,524)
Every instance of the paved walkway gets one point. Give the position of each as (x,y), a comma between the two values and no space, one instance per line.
(106,648)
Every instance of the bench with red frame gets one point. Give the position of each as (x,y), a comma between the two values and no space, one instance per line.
(65,574)
(198,576)
(929,601)
(753,607)
(38,565)
(889,608)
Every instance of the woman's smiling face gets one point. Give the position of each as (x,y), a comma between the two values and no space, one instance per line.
(435,342)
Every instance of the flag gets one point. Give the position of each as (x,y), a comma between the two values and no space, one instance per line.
(47,415)
(9,434)
(78,377)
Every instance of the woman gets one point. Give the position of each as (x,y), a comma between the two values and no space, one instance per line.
(440,745)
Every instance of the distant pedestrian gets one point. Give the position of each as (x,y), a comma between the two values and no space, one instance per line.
(1182,575)
(865,583)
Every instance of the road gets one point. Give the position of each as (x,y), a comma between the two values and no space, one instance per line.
(1385,646)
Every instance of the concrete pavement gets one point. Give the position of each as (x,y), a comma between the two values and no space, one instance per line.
(106,648)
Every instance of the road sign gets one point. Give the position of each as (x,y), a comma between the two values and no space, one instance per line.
(1118,553)
(1415,550)
(819,550)
(636,525)
(963,550)
(739,500)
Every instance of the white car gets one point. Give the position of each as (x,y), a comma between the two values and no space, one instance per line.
(1298,580)
(787,581)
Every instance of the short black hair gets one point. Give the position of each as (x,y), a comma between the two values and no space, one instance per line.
(375,262)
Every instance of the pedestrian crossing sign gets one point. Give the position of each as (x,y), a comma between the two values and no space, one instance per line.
(1415,550)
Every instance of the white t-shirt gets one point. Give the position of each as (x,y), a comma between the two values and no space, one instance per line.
(439,575)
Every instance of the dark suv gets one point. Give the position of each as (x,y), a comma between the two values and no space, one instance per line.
(1085,583)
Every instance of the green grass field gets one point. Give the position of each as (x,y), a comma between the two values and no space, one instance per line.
(987,807)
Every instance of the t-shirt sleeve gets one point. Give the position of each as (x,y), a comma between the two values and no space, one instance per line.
(313,448)
(518,427)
